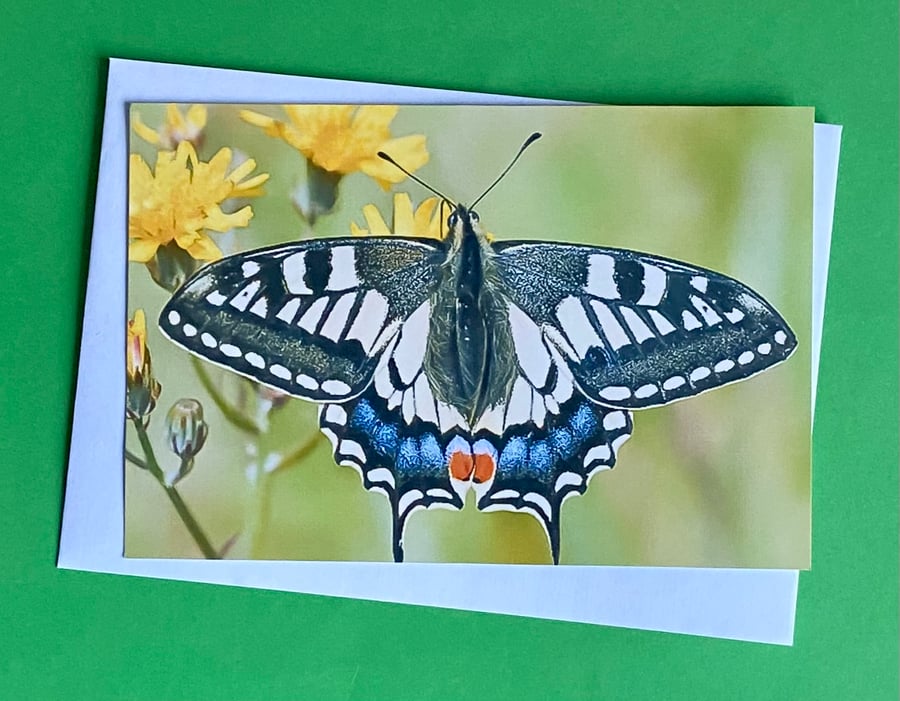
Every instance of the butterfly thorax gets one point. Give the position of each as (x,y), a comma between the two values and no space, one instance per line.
(468,337)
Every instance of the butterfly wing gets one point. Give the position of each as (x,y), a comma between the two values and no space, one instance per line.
(538,467)
(310,318)
(636,330)
(397,434)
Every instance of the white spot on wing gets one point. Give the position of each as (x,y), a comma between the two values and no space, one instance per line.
(190,330)
(764,348)
(174,318)
(674,382)
(425,405)
(449,417)
(567,479)
(230,350)
(723,365)
(249,268)
(409,406)
(575,324)
(281,372)
(410,349)
(407,500)
(538,410)
(612,329)
(242,298)
(338,317)
(369,320)
(699,283)
(615,393)
(601,277)
(336,414)
(255,359)
(663,325)
(708,313)
(518,407)
(310,319)
(294,270)
(745,357)
(689,321)
(381,474)
(337,388)
(598,452)
(639,329)
(541,502)
(289,310)
(614,420)
(208,340)
(307,382)
(645,391)
(734,316)
(534,359)
(353,448)
(343,269)
(654,285)
(700,373)
(780,337)
(260,308)
(216,298)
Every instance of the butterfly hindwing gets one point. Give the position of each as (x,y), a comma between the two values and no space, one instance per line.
(637,330)
(399,452)
(310,318)
(539,467)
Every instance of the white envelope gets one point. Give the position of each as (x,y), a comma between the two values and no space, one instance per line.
(756,605)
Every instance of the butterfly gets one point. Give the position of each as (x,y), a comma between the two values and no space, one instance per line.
(511,368)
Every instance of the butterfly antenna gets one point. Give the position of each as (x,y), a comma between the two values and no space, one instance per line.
(383,156)
(530,140)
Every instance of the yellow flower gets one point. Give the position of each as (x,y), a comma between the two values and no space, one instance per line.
(177,127)
(181,200)
(346,138)
(142,389)
(426,222)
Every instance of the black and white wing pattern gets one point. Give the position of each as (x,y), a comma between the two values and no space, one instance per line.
(637,330)
(311,319)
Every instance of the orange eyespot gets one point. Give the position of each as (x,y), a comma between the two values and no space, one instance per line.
(462,465)
(484,468)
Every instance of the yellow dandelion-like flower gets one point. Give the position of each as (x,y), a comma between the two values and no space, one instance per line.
(180,201)
(346,138)
(427,221)
(176,128)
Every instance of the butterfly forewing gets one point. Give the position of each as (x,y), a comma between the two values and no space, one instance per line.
(637,330)
(310,318)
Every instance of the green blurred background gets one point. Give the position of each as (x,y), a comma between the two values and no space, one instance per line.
(721,480)
(83,635)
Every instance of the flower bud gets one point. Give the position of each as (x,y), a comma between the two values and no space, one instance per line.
(172,266)
(186,432)
(318,195)
(142,389)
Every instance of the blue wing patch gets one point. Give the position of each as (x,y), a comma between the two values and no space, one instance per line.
(528,468)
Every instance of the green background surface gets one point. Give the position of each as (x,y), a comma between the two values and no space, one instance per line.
(78,635)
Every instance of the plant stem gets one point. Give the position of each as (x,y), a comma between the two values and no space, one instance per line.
(152,466)
(209,552)
(228,411)
(299,452)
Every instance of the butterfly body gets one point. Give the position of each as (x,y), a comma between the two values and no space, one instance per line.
(509,368)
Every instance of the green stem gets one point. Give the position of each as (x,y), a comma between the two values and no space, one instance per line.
(132,458)
(228,411)
(209,552)
(152,466)
(298,453)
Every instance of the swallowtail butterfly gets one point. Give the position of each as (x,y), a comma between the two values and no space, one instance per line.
(511,368)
